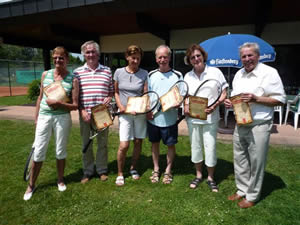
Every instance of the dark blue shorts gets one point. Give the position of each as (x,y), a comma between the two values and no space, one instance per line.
(168,135)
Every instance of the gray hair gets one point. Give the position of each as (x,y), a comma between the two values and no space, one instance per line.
(252,45)
(164,46)
(83,47)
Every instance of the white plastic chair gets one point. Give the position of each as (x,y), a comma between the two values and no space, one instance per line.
(294,107)
(279,109)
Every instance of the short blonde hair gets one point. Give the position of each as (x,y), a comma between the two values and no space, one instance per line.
(60,50)
(134,49)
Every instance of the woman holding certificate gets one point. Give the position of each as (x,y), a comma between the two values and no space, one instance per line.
(130,81)
(58,96)
(203,132)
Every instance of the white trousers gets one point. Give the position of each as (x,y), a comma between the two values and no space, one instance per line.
(61,126)
(203,135)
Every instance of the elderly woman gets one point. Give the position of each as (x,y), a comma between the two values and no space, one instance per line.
(53,115)
(130,81)
(203,132)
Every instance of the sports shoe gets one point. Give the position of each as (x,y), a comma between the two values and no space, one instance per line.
(28,195)
(62,187)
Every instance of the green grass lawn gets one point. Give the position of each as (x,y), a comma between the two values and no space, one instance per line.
(140,202)
(15,100)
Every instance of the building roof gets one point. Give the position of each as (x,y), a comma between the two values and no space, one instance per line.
(48,23)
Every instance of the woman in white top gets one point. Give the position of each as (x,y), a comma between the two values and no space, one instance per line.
(203,132)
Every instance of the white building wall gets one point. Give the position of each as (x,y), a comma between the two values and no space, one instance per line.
(119,43)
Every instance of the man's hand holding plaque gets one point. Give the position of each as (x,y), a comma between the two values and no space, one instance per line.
(171,99)
(101,116)
(241,110)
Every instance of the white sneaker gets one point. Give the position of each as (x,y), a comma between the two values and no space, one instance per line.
(62,187)
(28,195)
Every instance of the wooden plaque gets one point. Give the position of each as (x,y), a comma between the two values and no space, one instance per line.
(242,110)
(197,106)
(137,104)
(101,116)
(170,99)
(56,92)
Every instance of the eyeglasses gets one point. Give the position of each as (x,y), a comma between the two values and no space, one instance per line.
(195,57)
(58,58)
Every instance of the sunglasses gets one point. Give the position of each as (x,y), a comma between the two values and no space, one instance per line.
(58,58)
(195,57)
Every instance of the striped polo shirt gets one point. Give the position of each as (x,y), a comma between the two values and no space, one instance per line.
(67,84)
(94,85)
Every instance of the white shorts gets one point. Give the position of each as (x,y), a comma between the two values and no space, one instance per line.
(61,126)
(131,127)
(206,135)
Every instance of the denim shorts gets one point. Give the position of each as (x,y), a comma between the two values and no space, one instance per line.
(168,135)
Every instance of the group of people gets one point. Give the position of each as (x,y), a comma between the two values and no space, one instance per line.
(94,84)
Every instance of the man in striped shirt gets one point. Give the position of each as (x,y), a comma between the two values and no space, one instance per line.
(95,87)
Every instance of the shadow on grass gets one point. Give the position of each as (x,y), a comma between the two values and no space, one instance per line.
(182,166)
(270,184)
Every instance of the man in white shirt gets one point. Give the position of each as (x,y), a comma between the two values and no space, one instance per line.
(260,86)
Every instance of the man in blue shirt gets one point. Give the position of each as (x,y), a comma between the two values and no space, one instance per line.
(162,125)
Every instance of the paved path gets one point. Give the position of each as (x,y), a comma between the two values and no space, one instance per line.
(283,135)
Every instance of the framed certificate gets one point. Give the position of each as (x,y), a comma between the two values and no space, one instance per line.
(56,92)
(197,106)
(101,116)
(170,99)
(137,104)
(242,110)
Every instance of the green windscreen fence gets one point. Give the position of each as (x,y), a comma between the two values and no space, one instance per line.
(26,77)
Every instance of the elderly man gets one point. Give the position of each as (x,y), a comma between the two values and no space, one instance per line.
(163,125)
(96,87)
(261,87)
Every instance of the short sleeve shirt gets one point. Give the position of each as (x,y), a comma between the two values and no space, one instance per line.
(161,83)
(130,84)
(94,85)
(194,81)
(262,77)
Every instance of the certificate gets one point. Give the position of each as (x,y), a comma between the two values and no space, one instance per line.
(170,99)
(197,106)
(56,92)
(101,116)
(137,104)
(242,110)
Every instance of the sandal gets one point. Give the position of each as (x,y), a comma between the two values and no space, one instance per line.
(213,185)
(194,183)
(134,174)
(120,181)
(155,177)
(168,178)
